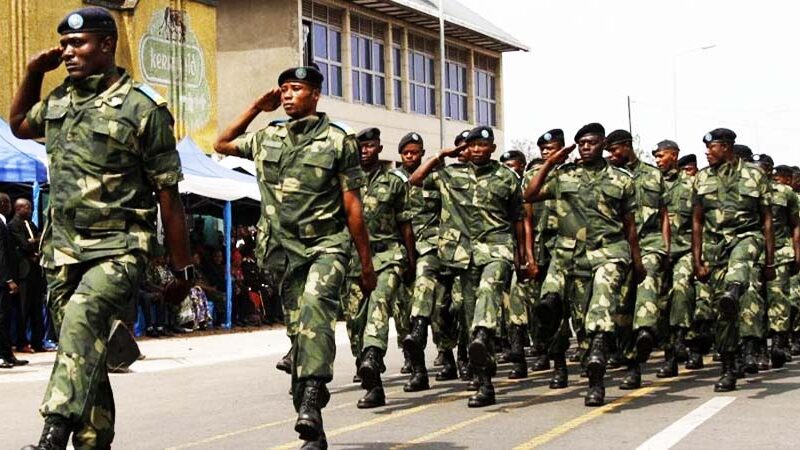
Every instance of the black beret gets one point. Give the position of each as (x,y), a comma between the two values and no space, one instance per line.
(592,128)
(409,138)
(666,144)
(719,135)
(784,168)
(743,152)
(92,19)
(618,137)
(687,159)
(481,132)
(763,159)
(460,137)
(556,134)
(309,75)
(368,134)
(513,155)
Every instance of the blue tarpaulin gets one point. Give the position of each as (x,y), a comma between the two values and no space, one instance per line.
(21,161)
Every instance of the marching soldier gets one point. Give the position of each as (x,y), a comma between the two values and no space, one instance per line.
(309,176)
(113,163)
(596,204)
(731,226)
(688,164)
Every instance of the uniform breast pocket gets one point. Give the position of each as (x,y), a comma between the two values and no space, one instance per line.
(651,196)
(749,197)
(708,194)
(319,169)
(270,171)
(612,195)
(460,191)
(568,189)
(112,144)
(432,199)
(54,119)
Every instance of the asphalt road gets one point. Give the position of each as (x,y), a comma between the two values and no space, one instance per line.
(222,392)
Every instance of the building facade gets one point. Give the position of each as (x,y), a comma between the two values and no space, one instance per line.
(381,60)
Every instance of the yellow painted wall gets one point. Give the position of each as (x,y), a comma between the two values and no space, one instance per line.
(186,66)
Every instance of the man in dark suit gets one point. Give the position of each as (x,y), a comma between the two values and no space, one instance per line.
(24,236)
(8,286)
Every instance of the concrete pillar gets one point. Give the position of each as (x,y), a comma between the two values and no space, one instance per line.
(388,61)
(347,66)
(498,83)
(404,71)
(471,111)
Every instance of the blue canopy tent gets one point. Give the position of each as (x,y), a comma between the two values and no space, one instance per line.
(22,161)
(205,177)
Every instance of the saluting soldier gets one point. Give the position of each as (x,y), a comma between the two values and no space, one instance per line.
(481,214)
(642,304)
(596,205)
(731,226)
(680,281)
(112,162)
(392,243)
(309,176)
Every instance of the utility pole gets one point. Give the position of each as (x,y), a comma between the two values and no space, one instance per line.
(442,77)
(630,123)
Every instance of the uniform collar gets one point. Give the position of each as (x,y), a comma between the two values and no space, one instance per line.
(90,87)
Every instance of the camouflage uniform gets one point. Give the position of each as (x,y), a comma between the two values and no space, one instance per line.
(784,205)
(480,205)
(591,256)
(383,196)
(732,196)
(642,304)
(109,151)
(303,166)
(681,287)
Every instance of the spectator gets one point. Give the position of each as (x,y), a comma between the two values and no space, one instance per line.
(211,279)
(151,296)
(8,286)
(193,312)
(25,238)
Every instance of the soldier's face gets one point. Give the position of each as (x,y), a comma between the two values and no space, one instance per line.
(465,154)
(86,54)
(782,178)
(515,165)
(369,151)
(411,156)
(666,160)
(717,153)
(549,147)
(590,147)
(690,169)
(619,154)
(5,205)
(22,208)
(481,151)
(299,99)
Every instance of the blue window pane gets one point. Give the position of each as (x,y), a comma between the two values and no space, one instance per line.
(419,99)
(491,94)
(462,77)
(431,101)
(380,91)
(463,107)
(419,68)
(323,68)
(356,87)
(398,94)
(336,81)
(366,87)
(397,62)
(354,51)
(320,41)
(377,58)
(335,41)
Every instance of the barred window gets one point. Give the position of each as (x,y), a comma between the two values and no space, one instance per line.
(456,84)
(421,81)
(367,56)
(322,28)
(486,90)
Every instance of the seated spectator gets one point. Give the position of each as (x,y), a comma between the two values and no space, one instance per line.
(151,296)
(211,279)
(193,311)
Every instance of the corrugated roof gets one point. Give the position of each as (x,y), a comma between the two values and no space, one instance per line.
(460,21)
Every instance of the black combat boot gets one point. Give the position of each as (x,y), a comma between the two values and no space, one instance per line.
(560,373)
(406,369)
(320,444)
(615,360)
(577,355)
(485,394)
(550,309)
(414,343)
(371,367)
(439,360)
(763,355)
(309,399)
(729,300)
(55,435)
(644,344)
(480,352)
(779,354)
(356,378)
(681,350)
(419,375)
(727,381)
(540,363)
(633,379)
(596,370)
(695,361)
(750,354)
(795,350)
(449,369)
(670,367)
(517,353)
(464,372)
(285,363)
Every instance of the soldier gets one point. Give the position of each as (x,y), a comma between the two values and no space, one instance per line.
(731,224)
(786,227)
(428,297)
(680,277)
(309,176)
(596,204)
(794,291)
(688,164)
(481,213)
(514,160)
(112,162)
(642,307)
(392,243)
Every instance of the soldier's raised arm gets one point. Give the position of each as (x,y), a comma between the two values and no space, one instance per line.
(29,94)
(533,192)
(427,167)
(225,143)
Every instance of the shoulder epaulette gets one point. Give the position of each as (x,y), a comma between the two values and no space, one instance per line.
(277,122)
(399,173)
(516,175)
(344,127)
(622,169)
(150,93)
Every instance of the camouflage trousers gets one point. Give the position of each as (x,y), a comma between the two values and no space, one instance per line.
(477,298)
(778,304)
(276,264)
(515,304)
(445,321)
(642,305)
(573,288)
(430,299)
(682,293)
(84,300)
(367,319)
(739,265)
(794,300)
(315,288)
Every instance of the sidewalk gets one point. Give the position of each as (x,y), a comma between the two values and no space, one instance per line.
(179,352)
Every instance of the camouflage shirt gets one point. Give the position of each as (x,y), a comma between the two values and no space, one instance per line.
(480,206)
(303,166)
(109,151)
(545,221)
(648,183)
(732,195)
(423,207)
(678,193)
(384,200)
(591,202)
(784,206)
